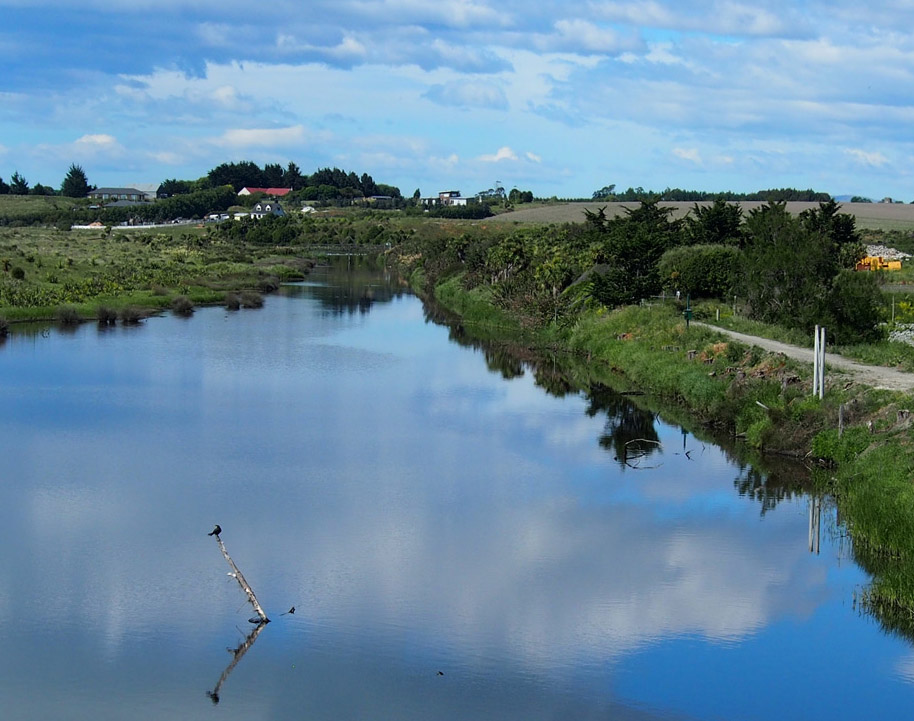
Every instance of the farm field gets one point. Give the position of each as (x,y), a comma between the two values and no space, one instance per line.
(870,216)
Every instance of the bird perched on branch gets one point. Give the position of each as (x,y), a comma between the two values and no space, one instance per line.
(216,531)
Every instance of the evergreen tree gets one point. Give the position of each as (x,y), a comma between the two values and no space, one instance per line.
(4,188)
(75,184)
(18,184)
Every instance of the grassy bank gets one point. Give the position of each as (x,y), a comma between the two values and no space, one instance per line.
(47,273)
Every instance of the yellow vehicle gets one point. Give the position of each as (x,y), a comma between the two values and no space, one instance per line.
(877,262)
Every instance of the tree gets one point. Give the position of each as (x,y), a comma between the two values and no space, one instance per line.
(628,249)
(172,186)
(75,184)
(841,229)
(18,184)
(4,188)
(39,189)
(292,177)
(718,223)
(795,272)
(607,191)
(273,175)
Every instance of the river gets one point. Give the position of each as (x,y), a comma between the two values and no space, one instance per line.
(457,542)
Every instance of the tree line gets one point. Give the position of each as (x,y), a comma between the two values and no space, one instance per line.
(772,195)
(325,184)
(796,271)
(74,185)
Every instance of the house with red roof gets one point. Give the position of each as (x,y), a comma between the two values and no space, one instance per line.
(275,192)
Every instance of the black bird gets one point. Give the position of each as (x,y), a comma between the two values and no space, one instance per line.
(291,610)
(216,531)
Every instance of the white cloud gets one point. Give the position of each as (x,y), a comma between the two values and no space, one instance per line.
(261,137)
(581,35)
(718,18)
(533,157)
(349,49)
(168,157)
(503,153)
(690,154)
(873,159)
(99,141)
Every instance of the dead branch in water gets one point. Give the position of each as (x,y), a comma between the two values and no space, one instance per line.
(237,655)
(238,576)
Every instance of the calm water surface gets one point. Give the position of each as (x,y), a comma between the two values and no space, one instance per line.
(457,543)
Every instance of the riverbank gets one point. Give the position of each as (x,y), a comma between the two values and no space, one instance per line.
(51,274)
(762,398)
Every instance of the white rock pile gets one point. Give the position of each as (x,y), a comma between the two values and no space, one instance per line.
(883,251)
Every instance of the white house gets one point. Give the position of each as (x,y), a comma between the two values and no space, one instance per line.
(446,198)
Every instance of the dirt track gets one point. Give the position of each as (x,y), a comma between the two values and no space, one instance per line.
(876,376)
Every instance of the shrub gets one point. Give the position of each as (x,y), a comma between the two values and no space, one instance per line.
(705,271)
(67,315)
(829,446)
(106,315)
(268,284)
(182,305)
(251,299)
(855,307)
(131,315)
(18,273)
(232,301)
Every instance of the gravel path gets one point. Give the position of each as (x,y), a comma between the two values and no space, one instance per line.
(876,376)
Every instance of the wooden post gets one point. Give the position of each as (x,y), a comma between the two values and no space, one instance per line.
(238,576)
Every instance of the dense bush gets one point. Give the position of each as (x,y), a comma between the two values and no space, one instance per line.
(182,305)
(67,315)
(704,271)
(855,308)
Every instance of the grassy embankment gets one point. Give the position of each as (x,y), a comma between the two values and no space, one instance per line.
(47,273)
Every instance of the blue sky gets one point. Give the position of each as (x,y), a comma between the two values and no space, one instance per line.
(558,98)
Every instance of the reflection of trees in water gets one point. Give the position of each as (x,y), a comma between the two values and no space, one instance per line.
(770,481)
(503,361)
(354,284)
(630,432)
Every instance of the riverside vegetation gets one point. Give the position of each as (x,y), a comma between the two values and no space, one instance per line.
(589,289)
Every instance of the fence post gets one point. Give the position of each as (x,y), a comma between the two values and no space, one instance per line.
(815,362)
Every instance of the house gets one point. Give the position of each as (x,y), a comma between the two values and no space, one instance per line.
(446,198)
(133,194)
(149,190)
(275,192)
(263,208)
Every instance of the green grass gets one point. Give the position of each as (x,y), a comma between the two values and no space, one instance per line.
(21,207)
(85,269)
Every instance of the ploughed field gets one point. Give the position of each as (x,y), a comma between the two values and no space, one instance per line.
(885,216)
